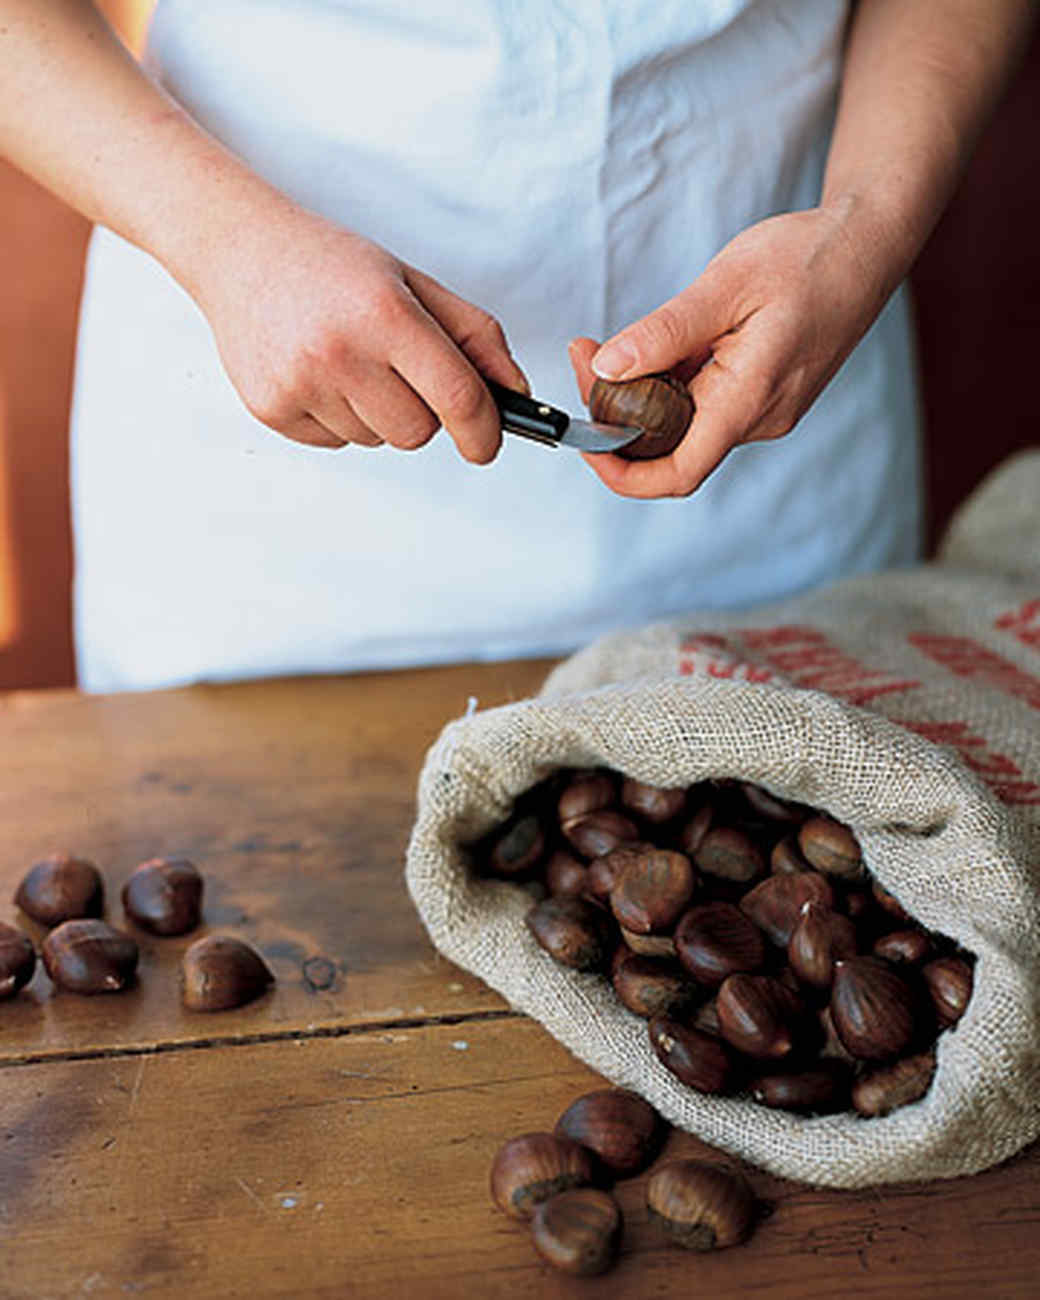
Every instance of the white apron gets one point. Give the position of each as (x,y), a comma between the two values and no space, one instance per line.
(566,164)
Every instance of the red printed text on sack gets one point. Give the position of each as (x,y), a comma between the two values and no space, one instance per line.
(1001,773)
(806,658)
(967,658)
(710,655)
(802,654)
(1023,623)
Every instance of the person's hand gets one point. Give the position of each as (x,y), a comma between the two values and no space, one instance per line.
(757,337)
(329,339)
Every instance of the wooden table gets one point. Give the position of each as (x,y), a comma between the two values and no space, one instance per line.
(334,1138)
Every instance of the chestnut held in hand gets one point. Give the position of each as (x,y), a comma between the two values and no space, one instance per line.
(659,404)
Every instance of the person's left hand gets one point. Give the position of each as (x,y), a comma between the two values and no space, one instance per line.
(757,337)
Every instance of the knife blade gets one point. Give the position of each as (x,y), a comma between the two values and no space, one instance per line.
(539,421)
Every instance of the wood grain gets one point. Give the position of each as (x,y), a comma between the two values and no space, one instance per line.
(358,1167)
(294,799)
(335,1141)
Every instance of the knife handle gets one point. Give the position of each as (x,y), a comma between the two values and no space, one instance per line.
(527,416)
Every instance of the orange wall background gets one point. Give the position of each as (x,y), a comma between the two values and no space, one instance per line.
(977,289)
(42,244)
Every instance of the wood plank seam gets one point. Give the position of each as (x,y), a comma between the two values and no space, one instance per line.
(251,1039)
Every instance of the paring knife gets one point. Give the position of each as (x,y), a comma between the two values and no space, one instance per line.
(537,420)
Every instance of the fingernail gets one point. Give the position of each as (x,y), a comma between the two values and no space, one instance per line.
(614,360)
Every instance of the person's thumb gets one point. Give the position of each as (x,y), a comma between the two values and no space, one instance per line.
(680,330)
(581,351)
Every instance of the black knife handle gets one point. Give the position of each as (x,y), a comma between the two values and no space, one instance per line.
(527,416)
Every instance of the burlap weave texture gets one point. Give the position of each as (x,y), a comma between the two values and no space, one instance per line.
(907,705)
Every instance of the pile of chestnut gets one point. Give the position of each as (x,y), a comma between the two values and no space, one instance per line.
(84,954)
(558,1182)
(746,930)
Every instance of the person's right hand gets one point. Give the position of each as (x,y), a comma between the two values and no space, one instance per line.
(329,339)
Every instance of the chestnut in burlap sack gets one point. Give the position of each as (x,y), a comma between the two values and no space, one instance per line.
(906,704)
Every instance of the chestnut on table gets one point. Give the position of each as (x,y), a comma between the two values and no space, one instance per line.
(334,1137)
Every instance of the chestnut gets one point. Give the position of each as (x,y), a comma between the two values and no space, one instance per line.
(649,945)
(535,1166)
(659,404)
(695,828)
(578,1231)
(518,848)
(820,938)
(586,792)
(889,903)
(729,852)
(872,1007)
(219,972)
(652,891)
(61,888)
(87,956)
(653,803)
(896,1084)
(564,874)
(706,1018)
(831,847)
(620,1127)
(605,871)
(651,986)
(701,1206)
(910,946)
(759,1016)
(17,960)
(949,982)
(575,932)
(763,803)
(716,939)
(817,1090)
(164,895)
(787,858)
(696,1058)
(596,833)
(775,904)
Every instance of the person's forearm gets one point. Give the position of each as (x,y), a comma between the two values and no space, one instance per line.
(78,115)
(921,79)
(327,337)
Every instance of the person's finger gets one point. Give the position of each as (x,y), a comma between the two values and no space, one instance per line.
(389,406)
(581,351)
(311,432)
(680,331)
(334,412)
(435,368)
(476,331)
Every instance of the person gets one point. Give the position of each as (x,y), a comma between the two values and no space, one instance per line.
(324,219)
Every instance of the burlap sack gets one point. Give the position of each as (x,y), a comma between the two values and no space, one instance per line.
(906,704)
